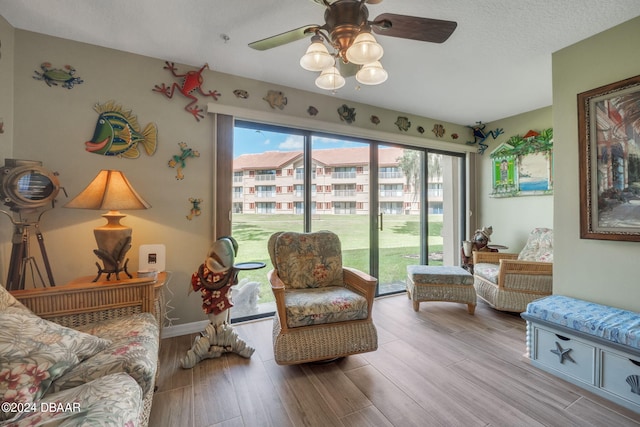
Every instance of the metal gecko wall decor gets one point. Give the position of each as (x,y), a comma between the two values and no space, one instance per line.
(191,82)
(195,208)
(178,160)
(479,135)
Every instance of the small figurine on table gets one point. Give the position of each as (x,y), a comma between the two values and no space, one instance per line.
(214,279)
(479,242)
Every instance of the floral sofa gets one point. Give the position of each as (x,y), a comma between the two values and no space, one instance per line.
(99,373)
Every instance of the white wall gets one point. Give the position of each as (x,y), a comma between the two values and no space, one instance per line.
(595,270)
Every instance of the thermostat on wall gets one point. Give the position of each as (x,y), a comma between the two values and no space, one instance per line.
(151,258)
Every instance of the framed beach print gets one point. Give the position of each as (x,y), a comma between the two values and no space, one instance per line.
(523,166)
(609,150)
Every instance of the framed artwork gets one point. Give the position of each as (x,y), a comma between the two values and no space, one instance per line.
(523,166)
(609,150)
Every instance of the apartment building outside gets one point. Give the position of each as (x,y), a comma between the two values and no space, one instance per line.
(272,182)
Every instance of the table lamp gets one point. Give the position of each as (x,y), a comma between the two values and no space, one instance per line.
(110,190)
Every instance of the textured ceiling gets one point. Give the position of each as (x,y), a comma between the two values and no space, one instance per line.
(496,64)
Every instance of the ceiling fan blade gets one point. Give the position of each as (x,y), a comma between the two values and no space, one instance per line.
(414,28)
(284,38)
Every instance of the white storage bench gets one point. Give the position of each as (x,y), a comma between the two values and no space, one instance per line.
(594,346)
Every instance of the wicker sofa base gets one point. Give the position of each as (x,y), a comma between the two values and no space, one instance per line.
(501,299)
(311,344)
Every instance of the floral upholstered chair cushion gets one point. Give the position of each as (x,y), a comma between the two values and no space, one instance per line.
(539,246)
(111,401)
(309,260)
(310,266)
(329,304)
(35,352)
(134,352)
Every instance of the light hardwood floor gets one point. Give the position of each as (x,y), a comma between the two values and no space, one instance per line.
(438,367)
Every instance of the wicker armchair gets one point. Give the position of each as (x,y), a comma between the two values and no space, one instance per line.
(508,282)
(323,310)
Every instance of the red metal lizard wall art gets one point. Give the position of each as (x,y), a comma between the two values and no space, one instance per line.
(191,82)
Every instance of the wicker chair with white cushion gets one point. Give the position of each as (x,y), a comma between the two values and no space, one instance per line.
(508,281)
(323,310)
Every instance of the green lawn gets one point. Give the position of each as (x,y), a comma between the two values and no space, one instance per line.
(399,242)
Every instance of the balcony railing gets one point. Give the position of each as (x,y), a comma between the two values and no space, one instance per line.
(262,194)
(344,193)
(391,193)
(343,175)
(387,175)
(265,177)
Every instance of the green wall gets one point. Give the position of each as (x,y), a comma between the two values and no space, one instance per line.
(595,270)
(513,218)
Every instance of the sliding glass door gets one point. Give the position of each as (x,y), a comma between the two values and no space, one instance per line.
(391,206)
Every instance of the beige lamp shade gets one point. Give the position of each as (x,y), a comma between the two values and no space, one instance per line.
(110,190)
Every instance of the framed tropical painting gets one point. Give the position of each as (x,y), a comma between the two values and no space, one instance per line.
(609,150)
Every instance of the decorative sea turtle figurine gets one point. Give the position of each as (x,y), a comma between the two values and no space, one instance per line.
(403,123)
(53,76)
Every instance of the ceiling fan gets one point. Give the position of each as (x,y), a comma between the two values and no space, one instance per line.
(348,30)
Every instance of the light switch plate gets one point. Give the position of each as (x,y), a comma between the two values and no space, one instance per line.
(152,258)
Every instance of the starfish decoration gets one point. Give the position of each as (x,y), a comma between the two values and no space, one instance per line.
(562,353)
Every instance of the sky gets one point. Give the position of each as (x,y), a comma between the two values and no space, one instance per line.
(251,141)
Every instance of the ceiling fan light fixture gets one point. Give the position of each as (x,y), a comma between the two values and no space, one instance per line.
(330,79)
(317,57)
(372,74)
(364,49)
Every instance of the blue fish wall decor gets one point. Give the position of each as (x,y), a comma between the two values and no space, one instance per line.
(117,133)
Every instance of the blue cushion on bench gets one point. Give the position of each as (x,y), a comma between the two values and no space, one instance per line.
(610,323)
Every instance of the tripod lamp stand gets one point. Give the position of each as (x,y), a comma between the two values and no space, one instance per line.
(110,190)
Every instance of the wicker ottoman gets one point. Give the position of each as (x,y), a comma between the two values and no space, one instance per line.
(436,283)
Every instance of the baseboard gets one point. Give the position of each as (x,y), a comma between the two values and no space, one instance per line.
(184,329)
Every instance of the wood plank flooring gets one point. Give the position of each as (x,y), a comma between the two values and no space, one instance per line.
(437,367)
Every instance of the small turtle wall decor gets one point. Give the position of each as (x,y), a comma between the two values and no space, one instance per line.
(195,208)
(438,130)
(403,123)
(479,135)
(240,93)
(375,120)
(420,130)
(454,136)
(347,114)
(190,82)
(276,99)
(178,160)
(52,76)
(312,111)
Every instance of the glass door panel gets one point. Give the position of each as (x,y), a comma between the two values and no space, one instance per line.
(341,197)
(268,173)
(399,215)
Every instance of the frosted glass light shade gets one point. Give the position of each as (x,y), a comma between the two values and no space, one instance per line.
(372,74)
(317,57)
(330,79)
(364,50)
